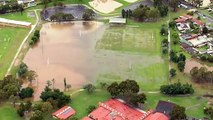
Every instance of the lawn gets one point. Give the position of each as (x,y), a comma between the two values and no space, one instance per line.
(80,101)
(10,39)
(21,17)
(8,113)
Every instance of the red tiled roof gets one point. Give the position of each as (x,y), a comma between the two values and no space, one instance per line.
(187,16)
(115,109)
(64,113)
(180,20)
(198,22)
(157,116)
(86,118)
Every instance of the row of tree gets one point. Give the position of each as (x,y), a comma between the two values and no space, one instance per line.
(201,75)
(11,7)
(58,17)
(177,89)
(204,57)
(35,38)
(128,90)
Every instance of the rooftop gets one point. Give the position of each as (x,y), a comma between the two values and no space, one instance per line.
(117,20)
(64,113)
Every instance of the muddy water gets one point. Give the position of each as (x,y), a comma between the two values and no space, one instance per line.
(193,63)
(65,51)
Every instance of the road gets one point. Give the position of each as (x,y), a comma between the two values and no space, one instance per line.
(23,42)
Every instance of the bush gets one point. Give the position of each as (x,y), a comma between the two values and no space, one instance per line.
(26,92)
(89,88)
(172,72)
(177,89)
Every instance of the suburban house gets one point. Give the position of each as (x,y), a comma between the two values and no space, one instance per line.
(64,113)
(117,109)
(165,107)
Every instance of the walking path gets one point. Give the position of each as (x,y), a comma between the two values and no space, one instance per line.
(22,44)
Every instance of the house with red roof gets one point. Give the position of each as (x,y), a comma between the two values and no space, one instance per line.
(197,22)
(64,113)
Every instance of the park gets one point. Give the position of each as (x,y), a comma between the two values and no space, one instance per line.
(78,51)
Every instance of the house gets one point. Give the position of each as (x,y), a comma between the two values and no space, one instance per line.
(64,113)
(197,22)
(165,107)
(27,3)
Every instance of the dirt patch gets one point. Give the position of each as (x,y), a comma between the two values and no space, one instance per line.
(193,63)
(105,6)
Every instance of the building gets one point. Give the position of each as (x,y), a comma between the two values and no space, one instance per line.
(14,23)
(117,109)
(117,21)
(64,113)
(165,107)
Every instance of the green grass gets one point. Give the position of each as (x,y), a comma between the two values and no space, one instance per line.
(193,104)
(81,101)
(19,16)
(10,39)
(8,113)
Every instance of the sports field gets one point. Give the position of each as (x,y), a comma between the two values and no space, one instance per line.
(132,53)
(10,39)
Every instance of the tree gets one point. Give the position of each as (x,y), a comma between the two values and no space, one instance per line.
(13,99)
(157,3)
(46,107)
(31,75)
(69,86)
(208,111)
(22,70)
(174,4)
(88,14)
(21,110)
(178,113)
(129,86)
(172,72)
(163,10)
(37,115)
(89,88)
(205,30)
(182,57)
(181,65)
(26,92)
(123,13)
(138,98)
(91,108)
(163,31)
(49,83)
(55,97)
(65,83)
(113,89)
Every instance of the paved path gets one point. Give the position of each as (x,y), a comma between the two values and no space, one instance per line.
(169,44)
(77,91)
(22,44)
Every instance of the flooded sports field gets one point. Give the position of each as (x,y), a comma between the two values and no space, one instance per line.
(93,52)
(64,51)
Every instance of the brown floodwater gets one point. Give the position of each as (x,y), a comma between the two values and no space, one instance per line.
(65,50)
(194,63)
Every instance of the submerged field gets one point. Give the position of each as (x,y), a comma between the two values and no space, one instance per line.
(10,39)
